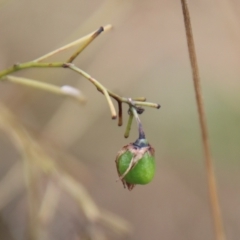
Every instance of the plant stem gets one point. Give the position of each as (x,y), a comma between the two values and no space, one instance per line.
(46,87)
(140,127)
(72,44)
(147,104)
(107,93)
(18,67)
(86,40)
(99,86)
(110,103)
(140,99)
(91,38)
(120,120)
(129,124)
(216,212)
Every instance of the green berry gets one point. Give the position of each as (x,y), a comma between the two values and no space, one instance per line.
(142,173)
(136,164)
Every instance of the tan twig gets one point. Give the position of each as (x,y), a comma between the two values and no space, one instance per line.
(99,86)
(49,204)
(79,193)
(117,224)
(110,103)
(107,93)
(140,99)
(215,207)
(91,38)
(129,125)
(120,120)
(62,91)
(72,44)
(67,90)
(37,158)
(11,184)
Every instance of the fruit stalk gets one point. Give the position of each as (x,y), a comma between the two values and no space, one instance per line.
(140,127)
(135,162)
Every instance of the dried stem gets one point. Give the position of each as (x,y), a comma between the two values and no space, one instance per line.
(47,87)
(140,127)
(140,99)
(110,103)
(85,41)
(18,67)
(38,159)
(99,86)
(11,180)
(120,120)
(91,38)
(129,124)
(216,212)
(82,40)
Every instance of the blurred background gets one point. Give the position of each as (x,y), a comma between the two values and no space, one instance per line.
(57,169)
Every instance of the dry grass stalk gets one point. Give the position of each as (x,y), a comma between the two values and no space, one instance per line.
(215,207)
(38,162)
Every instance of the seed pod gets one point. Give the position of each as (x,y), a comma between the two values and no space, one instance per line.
(136,164)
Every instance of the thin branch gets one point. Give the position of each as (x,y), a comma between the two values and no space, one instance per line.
(77,190)
(33,151)
(72,44)
(63,91)
(120,120)
(50,200)
(140,127)
(136,101)
(91,38)
(110,103)
(99,86)
(18,67)
(66,89)
(47,210)
(215,207)
(129,125)
(140,99)
(147,104)
(113,221)
(12,181)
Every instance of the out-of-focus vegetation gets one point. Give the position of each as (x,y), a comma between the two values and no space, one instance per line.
(144,55)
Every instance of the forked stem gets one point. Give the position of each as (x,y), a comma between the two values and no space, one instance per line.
(84,41)
(81,48)
(216,212)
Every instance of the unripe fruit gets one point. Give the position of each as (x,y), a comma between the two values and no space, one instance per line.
(136,163)
(142,173)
